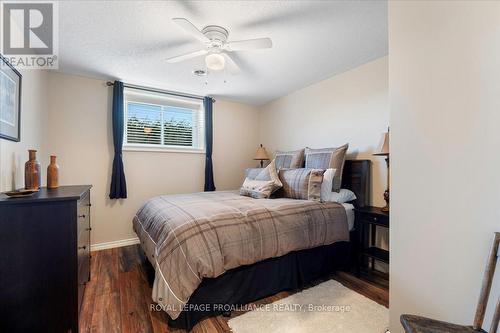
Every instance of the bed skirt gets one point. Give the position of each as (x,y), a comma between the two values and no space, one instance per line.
(245,284)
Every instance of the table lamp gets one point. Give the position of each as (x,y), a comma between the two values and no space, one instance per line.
(383,150)
(261,155)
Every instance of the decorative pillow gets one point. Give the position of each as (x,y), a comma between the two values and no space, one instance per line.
(328,158)
(342,196)
(270,173)
(327,184)
(257,189)
(252,172)
(289,159)
(302,183)
(265,183)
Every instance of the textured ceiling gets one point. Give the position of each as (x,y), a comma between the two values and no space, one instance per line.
(130,40)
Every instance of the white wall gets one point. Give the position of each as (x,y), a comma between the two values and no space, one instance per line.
(350,107)
(80,134)
(445,186)
(13,155)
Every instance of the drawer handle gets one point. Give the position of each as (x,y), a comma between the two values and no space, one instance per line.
(82,247)
(81,216)
(375,219)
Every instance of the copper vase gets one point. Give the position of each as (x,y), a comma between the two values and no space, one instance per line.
(53,173)
(32,172)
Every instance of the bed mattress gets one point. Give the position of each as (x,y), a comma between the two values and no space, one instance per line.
(192,236)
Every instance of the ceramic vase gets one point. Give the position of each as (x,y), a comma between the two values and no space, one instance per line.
(53,173)
(32,172)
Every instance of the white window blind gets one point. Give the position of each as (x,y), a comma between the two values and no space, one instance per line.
(161,121)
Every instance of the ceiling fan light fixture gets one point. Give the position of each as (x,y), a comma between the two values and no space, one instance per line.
(217,48)
(200,72)
(215,61)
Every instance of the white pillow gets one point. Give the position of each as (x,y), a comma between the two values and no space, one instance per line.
(257,189)
(264,184)
(327,181)
(344,195)
(270,173)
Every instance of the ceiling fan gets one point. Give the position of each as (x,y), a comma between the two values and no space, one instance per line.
(217,48)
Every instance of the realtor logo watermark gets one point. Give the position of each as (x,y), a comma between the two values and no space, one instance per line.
(29,33)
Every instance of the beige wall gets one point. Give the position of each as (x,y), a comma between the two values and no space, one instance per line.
(350,107)
(80,134)
(445,115)
(13,155)
(69,116)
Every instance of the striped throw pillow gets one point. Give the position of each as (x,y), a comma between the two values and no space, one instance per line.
(289,159)
(328,158)
(304,184)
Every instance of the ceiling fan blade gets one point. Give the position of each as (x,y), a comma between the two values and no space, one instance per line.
(249,44)
(191,29)
(231,66)
(187,56)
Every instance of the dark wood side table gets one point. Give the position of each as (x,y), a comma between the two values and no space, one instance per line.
(367,219)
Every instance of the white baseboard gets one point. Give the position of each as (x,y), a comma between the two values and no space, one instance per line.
(113,244)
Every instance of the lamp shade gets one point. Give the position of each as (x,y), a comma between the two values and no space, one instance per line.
(261,154)
(215,61)
(383,148)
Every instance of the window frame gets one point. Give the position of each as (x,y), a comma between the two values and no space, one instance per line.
(162,148)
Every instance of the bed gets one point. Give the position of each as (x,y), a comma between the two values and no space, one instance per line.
(214,251)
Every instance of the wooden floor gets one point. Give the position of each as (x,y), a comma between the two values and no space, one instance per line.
(118,297)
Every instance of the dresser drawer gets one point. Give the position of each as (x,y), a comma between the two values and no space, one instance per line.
(83,221)
(83,244)
(83,257)
(85,199)
(83,212)
(83,268)
(83,241)
(373,219)
(83,276)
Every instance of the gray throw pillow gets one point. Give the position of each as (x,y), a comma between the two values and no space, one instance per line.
(289,159)
(328,158)
(251,173)
(304,184)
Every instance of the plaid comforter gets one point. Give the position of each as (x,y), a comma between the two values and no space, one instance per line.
(191,236)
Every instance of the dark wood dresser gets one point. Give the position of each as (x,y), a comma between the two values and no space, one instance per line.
(44,259)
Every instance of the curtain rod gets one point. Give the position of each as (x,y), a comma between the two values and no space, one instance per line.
(173,93)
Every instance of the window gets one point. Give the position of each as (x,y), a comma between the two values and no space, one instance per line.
(159,121)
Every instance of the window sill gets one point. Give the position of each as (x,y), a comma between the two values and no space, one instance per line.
(163,150)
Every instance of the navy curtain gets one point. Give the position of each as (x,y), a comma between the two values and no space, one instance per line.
(118,188)
(209,173)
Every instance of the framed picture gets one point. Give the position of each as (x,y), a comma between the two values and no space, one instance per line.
(10,101)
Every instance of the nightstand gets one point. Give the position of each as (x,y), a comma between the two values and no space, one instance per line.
(367,219)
